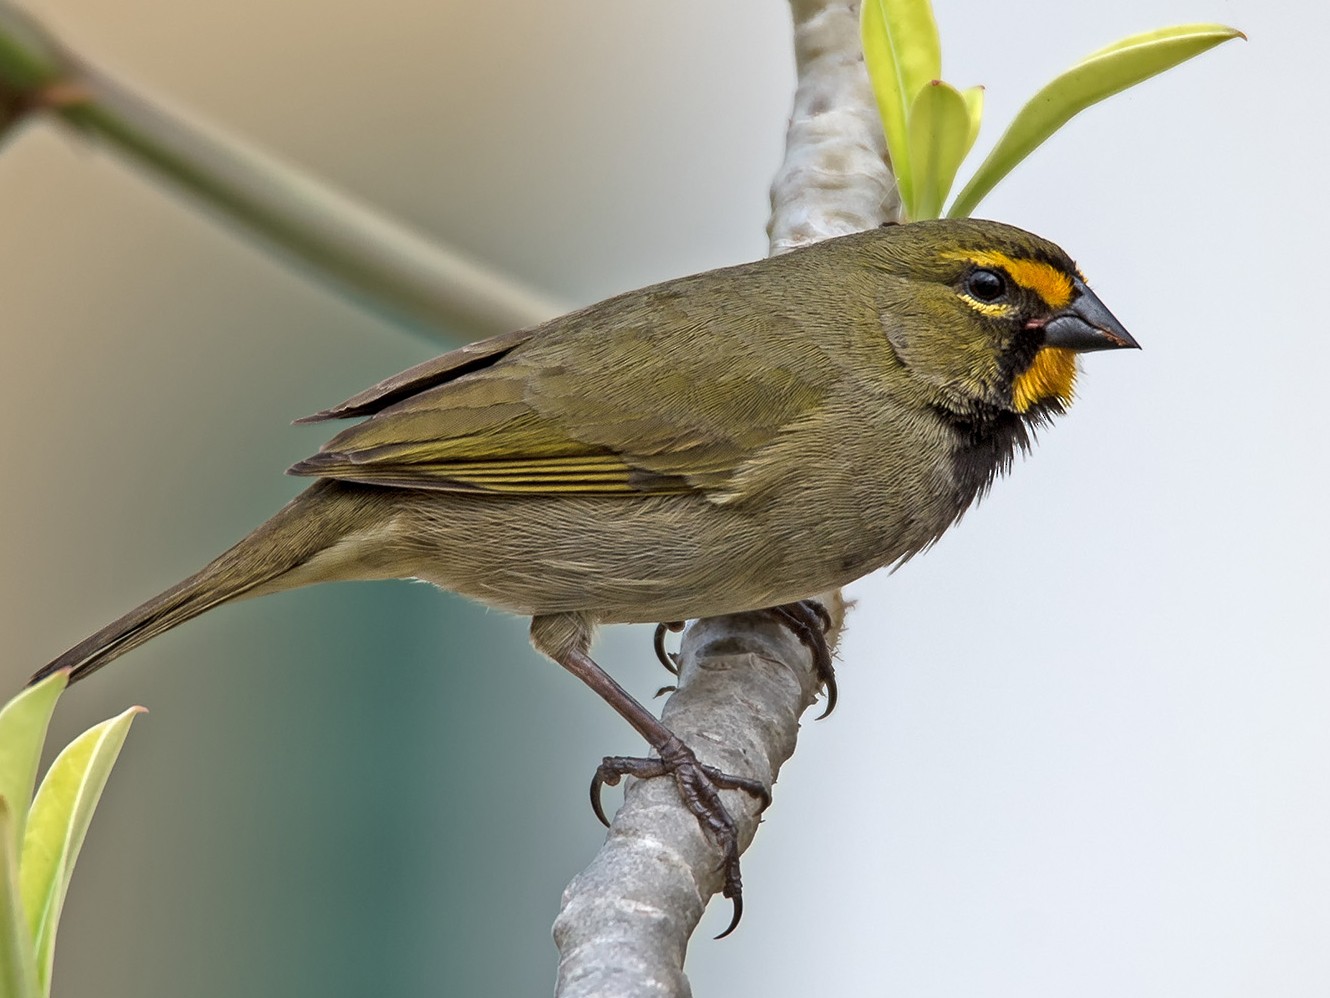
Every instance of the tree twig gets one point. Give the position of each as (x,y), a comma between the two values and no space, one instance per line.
(428,287)
(744,680)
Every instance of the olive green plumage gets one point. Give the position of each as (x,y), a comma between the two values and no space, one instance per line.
(727,441)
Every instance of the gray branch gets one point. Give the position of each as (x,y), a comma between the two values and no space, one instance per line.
(745,679)
(626,919)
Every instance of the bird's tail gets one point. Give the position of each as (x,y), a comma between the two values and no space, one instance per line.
(267,560)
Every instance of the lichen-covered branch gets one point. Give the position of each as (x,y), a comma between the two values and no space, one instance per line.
(427,286)
(834,179)
(744,680)
(627,918)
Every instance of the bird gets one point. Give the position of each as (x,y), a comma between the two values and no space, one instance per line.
(735,440)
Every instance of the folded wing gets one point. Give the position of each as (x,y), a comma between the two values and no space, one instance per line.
(671,389)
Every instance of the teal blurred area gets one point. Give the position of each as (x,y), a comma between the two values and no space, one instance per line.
(334,794)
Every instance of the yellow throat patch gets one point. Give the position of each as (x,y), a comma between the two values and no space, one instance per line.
(1052,375)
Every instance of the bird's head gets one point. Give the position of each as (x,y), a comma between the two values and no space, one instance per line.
(989,315)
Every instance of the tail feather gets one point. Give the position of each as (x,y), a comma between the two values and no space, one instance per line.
(314,521)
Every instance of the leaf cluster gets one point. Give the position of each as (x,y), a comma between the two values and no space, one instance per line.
(40,836)
(930,126)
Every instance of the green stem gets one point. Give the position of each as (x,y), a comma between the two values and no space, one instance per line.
(379,262)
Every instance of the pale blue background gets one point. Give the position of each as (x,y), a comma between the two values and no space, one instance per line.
(1082,746)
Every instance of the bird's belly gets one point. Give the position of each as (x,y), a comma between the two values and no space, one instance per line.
(645,559)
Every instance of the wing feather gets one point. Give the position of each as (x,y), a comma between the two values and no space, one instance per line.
(657,391)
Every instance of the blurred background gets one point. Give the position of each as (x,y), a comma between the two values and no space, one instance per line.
(1082,744)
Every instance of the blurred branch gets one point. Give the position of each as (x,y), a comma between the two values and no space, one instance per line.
(383,264)
(745,679)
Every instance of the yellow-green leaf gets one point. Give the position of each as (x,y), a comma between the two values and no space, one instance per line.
(939,140)
(18,969)
(974,104)
(23,723)
(903,54)
(1103,73)
(57,824)
(1166,34)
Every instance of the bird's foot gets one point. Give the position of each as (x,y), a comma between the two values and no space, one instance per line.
(810,622)
(698,786)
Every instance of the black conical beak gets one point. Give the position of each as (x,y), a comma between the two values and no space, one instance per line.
(1086,325)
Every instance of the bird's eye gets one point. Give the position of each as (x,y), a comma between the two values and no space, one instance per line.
(986,285)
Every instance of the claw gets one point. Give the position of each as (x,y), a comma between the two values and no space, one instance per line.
(821,612)
(738,900)
(667,659)
(612,769)
(597,782)
(809,621)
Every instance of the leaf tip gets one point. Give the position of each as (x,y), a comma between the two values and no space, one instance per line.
(58,679)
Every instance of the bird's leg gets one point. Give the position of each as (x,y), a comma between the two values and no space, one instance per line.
(809,621)
(698,784)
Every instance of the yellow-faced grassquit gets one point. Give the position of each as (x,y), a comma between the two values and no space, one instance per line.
(735,440)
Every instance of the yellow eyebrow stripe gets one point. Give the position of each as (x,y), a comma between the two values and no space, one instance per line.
(1045,280)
